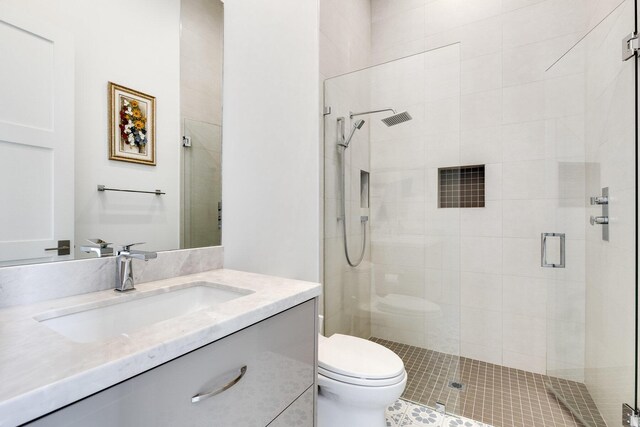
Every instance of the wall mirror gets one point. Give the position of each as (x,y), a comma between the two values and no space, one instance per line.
(58,59)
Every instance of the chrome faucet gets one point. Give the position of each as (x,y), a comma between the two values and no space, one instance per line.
(124,267)
(98,246)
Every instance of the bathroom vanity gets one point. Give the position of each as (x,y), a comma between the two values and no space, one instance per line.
(221,348)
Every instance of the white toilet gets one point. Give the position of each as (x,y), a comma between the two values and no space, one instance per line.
(358,379)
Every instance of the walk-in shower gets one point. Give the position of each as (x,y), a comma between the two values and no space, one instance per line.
(476,262)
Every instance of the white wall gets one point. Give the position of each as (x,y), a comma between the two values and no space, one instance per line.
(270,121)
(142,54)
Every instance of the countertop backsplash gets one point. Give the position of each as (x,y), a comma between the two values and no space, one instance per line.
(28,284)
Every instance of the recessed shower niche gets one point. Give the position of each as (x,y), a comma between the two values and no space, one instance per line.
(461,187)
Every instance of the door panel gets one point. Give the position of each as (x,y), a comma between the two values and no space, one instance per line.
(36,139)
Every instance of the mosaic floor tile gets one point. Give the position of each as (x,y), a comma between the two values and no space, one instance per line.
(451,421)
(407,414)
(396,412)
(492,394)
(418,415)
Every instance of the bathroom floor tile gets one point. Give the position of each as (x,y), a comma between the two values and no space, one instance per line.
(395,413)
(491,394)
(451,421)
(408,414)
(418,415)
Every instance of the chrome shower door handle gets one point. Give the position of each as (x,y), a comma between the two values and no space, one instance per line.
(543,250)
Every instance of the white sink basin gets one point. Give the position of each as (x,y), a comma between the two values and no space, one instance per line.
(135,311)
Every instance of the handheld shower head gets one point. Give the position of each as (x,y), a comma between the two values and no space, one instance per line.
(357,125)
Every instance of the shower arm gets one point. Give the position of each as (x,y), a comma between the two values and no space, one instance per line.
(352,115)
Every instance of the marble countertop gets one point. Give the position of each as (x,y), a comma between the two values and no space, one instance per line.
(42,371)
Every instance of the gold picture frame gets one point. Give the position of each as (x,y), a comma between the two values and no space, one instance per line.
(132,125)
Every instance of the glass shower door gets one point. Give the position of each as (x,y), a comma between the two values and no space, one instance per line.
(590,107)
(405,293)
(202,181)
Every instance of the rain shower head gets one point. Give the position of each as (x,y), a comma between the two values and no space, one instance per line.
(393,120)
(396,119)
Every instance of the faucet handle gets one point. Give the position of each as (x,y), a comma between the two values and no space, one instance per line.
(127,247)
(101,243)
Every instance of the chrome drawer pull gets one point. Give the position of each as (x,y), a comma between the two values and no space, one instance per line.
(200,397)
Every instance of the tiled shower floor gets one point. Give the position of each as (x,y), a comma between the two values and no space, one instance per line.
(492,394)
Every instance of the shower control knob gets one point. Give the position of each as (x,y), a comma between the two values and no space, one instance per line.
(600,200)
(599,220)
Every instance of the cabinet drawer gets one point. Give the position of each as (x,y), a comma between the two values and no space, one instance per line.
(279,355)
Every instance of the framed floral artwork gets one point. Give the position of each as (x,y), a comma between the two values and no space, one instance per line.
(132,125)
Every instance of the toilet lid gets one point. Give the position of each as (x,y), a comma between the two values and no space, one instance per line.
(357,358)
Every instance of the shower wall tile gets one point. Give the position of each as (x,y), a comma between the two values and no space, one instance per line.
(443,15)
(440,223)
(511,5)
(442,149)
(399,28)
(443,286)
(493,181)
(442,116)
(567,301)
(482,222)
(398,154)
(481,110)
(481,254)
(382,9)
(521,257)
(525,180)
(482,327)
(564,96)
(394,52)
(524,141)
(442,252)
(525,361)
(482,352)
(481,290)
(481,146)
(523,103)
(526,218)
(524,334)
(481,73)
(526,296)
(543,21)
(569,344)
(409,254)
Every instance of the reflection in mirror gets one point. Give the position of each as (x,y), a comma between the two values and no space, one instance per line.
(58,57)
(201,45)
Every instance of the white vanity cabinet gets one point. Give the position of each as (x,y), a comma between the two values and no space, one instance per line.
(277,384)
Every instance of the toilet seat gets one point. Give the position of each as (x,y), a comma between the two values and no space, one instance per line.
(358,361)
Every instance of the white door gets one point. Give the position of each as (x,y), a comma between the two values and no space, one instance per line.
(36,139)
